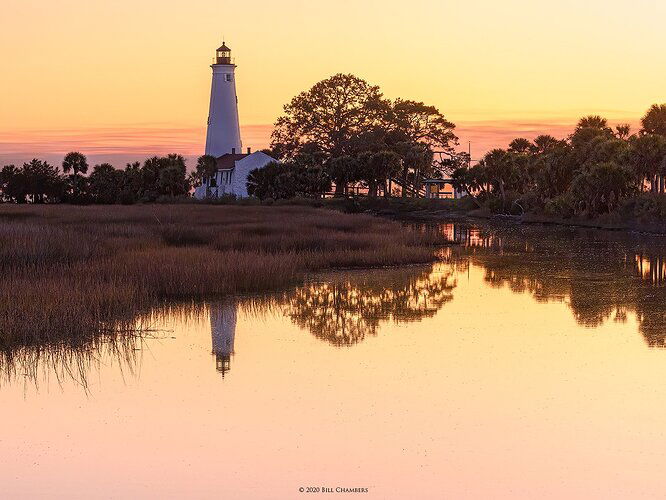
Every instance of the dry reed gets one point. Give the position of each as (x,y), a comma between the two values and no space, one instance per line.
(70,273)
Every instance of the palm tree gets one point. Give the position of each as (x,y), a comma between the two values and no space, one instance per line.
(206,168)
(623,131)
(648,157)
(654,120)
(520,145)
(592,121)
(75,162)
(499,169)
(545,142)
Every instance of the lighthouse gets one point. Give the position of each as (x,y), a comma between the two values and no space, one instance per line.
(223,140)
(223,134)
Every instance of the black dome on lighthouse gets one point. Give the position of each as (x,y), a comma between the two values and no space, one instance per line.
(224,48)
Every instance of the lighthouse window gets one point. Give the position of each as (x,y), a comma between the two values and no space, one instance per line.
(227,77)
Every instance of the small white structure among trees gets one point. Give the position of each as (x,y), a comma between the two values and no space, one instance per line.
(228,175)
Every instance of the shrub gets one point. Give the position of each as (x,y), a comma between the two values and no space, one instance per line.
(647,207)
(530,202)
(560,206)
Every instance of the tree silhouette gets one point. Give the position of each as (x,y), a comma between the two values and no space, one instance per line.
(420,123)
(592,121)
(76,163)
(654,120)
(647,156)
(329,115)
(105,184)
(376,168)
(205,169)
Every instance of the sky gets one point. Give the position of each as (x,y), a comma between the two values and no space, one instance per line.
(126,79)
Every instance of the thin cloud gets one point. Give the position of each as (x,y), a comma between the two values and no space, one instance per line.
(121,145)
(117,145)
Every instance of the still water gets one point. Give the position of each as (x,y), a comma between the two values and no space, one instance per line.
(528,363)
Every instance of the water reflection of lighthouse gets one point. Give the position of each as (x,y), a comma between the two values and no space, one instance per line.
(223,330)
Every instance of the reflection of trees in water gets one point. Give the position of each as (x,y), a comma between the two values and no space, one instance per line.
(602,275)
(347,307)
(343,310)
(650,302)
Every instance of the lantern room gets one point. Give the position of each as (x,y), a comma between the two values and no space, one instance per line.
(223,55)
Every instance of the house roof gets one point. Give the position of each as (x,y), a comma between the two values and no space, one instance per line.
(223,47)
(446,180)
(228,160)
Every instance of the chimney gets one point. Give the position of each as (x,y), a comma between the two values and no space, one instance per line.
(249,150)
(233,151)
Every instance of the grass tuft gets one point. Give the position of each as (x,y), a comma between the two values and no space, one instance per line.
(70,273)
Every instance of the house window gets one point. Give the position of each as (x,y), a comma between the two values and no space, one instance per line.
(227,77)
(225,177)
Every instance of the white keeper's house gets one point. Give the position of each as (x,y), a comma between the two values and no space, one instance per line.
(223,139)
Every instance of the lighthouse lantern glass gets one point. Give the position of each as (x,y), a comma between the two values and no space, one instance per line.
(223,56)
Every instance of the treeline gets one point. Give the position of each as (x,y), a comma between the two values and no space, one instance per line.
(40,182)
(596,170)
(343,132)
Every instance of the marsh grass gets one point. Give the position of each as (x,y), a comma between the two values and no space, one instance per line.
(72,273)
(43,364)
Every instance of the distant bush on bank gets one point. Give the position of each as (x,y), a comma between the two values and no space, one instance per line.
(645,207)
(358,204)
(37,181)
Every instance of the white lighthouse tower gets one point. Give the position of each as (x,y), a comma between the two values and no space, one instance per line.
(223,140)
(223,134)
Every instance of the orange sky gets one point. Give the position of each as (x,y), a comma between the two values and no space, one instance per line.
(125,79)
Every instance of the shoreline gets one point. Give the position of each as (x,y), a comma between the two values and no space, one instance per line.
(401,211)
(530,219)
